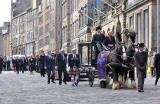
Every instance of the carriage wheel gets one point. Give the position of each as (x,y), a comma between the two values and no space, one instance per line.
(91,78)
(103,84)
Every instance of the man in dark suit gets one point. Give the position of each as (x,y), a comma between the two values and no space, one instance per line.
(17,65)
(74,63)
(32,64)
(61,62)
(21,65)
(8,64)
(98,37)
(141,58)
(97,40)
(50,66)
(157,67)
(42,64)
(1,63)
(110,40)
(14,64)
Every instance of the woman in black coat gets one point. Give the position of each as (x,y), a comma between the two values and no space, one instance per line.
(1,64)
(157,66)
(32,64)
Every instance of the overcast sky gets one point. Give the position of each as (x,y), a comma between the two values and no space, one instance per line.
(5,6)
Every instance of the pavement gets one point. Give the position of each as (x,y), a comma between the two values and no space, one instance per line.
(33,89)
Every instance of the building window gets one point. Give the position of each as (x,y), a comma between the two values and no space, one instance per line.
(80,21)
(40,20)
(40,8)
(146,27)
(47,15)
(41,43)
(47,3)
(139,27)
(131,22)
(47,28)
(40,31)
(47,40)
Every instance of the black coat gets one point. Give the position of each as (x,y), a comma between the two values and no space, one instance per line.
(60,62)
(110,41)
(74,61)
(157,64)
(141,61)
(42,61)
(17,63)
(98,38)
(14,62)
(20,62)
(50,61)
(32,61)
(1,63)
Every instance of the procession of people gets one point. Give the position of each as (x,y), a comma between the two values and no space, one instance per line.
(48,64)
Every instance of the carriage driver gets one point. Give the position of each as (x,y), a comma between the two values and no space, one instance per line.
(98,39)
(110,40)
(74,63)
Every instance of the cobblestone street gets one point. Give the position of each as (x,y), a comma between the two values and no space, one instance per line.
(32,89)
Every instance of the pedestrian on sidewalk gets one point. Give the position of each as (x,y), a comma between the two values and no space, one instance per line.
(74,64)
(61,63)
(42,64)
(141,62)
(50,66)
(1,63)
(32,64)
(157,67)
(153,73)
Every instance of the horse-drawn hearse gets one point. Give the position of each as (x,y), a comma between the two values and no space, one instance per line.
(104,63)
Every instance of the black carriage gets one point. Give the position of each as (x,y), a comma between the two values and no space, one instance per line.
(91,64)
(88,61)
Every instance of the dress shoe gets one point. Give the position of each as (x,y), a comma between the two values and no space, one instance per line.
(76,84)
(73,85)
(53,82)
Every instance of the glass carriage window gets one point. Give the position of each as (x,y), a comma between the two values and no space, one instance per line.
(85,55)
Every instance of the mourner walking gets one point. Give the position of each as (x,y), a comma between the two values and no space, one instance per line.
(141,62)
(61,62)
(32,64)
(157,67)
(50,66)
(1,63)
(17,65)
(42,64)
(152,63)
(74,64)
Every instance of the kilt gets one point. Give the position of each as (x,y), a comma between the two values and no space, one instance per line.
(74,71)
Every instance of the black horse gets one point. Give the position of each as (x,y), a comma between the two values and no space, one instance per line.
(112,61)
(132,48)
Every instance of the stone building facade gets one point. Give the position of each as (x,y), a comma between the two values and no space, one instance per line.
(32,30)
(6,39)
(55,24)
(142,17)
(22,31)
(1,41)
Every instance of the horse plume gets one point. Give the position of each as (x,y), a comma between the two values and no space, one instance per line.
(118,36)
